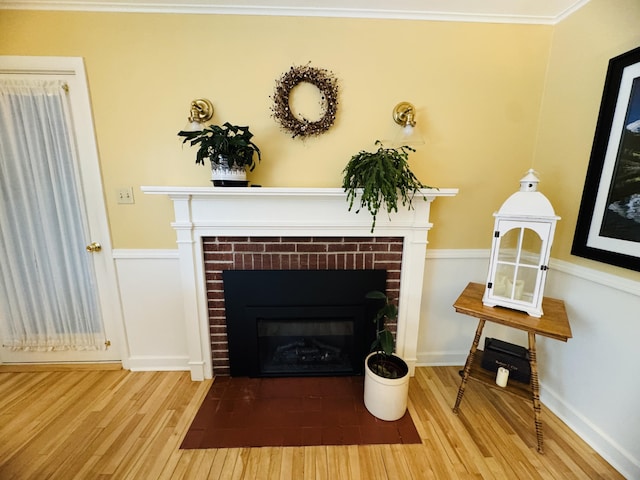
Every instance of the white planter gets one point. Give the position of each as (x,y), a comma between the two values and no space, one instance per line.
(385,398)
(223,176)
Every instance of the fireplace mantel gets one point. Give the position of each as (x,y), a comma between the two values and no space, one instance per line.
(248,211)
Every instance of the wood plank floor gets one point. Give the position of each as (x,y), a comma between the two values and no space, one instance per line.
(115,424)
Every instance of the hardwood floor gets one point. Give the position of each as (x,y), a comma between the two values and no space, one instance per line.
(114,424)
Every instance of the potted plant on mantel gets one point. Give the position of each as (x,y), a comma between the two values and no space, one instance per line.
(386,381)
(230,150)
(379,179)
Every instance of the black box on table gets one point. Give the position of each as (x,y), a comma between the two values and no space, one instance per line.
(514,358)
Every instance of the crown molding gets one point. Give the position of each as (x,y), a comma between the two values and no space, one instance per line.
(547,12)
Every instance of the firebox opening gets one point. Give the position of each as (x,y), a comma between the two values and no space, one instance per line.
(299,323)
(308,345)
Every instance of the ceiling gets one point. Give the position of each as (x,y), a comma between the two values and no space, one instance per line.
(500,11)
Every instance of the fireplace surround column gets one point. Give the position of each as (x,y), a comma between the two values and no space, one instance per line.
(297,212)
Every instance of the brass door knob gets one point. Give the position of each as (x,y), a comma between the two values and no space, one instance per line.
(94,247)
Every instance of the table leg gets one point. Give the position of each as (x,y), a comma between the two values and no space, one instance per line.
(467,365)
(535,387)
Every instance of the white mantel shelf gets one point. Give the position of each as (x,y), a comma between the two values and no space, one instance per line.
(276,191)
(272,211)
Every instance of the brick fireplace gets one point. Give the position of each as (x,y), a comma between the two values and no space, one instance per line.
(289,228)
(289,253)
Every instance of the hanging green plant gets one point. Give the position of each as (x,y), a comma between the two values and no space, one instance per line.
(380,179)
(324,81)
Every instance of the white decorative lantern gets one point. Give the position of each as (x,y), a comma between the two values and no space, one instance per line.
(522,238)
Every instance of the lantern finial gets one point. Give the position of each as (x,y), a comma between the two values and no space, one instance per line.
(529,183)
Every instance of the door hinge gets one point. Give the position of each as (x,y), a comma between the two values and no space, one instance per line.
(544,268)
(489,285)
(496,234)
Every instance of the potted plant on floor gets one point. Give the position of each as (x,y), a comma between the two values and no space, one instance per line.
(379,179)
(386,381)
(230,150)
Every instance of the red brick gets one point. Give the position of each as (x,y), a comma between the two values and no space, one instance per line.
(388,257)
(234,240)
(311,247)
(280,247)
(249,247)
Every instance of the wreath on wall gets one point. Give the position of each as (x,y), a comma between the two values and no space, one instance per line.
(324,81)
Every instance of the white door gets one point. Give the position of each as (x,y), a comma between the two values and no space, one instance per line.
(71,70)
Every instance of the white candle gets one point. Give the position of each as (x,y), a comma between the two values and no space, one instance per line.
(502,377)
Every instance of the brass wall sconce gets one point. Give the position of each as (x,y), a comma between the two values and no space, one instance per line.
(404,114)
(201,111)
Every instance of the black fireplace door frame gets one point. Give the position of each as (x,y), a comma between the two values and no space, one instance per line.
(282,294)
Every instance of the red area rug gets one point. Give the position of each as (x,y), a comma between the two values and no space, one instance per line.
(266,412)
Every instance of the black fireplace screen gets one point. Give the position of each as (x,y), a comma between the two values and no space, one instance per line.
(299,323)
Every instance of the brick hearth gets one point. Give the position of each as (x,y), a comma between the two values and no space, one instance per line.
(289,253)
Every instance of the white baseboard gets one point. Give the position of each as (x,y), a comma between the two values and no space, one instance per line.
(602,443)
(441,359)
(158,364)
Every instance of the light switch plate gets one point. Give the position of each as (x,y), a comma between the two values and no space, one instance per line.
(125,195)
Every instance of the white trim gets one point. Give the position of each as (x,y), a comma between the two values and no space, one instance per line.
(457,254)
(606,279)
(495,11)
(441,359)
(152,363)
(601,278)
(144,254)
(606,446)
(595,276)
(301,192)
(570,10)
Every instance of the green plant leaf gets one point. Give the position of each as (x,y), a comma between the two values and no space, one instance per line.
(230,141)
(376,295)
(379,178)
(387,342)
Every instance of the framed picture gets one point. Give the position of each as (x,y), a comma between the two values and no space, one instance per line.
(608,227)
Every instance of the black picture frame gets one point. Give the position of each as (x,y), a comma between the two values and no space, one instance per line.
(608,225)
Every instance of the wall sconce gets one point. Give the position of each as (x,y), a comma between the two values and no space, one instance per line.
(404,114)
(201,112)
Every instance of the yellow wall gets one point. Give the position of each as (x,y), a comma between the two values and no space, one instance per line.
(581,49)
(493,100)
(477,88)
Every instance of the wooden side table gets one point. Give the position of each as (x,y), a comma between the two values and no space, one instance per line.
(554,324)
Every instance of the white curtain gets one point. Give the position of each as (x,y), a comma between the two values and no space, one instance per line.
(47,287)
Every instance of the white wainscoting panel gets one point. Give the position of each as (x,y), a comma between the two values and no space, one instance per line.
(445,336)
(592,381)
(150,290)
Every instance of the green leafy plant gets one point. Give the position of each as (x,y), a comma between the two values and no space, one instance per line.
(228,141)
(380,178)
(382,363)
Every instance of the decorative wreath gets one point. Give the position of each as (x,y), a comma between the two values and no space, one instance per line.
(324,81)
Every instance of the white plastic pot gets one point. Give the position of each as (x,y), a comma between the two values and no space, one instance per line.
(385,398)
